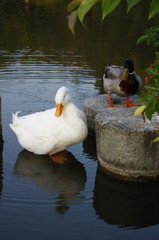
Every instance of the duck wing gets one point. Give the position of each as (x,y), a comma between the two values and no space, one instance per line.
(113,72)
(38,132)
(36,123)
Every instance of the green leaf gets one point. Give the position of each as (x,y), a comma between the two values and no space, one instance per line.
(157,105)
(132,3)
(152,29)
(151,70)
(153,82)
(155,28)
(157,82)
(156,44)
(151,35)
(157,66)
(84,7)
(157,54)
(142,38)
(73,4)
(154,8)
(150,110)
(109,6)
(156,139)
(152,89)
(144,96)
(139,110)
(72,21)
(147,98)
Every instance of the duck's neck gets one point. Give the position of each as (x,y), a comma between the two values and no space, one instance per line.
(70,112)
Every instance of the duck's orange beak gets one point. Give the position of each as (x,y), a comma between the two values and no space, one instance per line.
(59,110)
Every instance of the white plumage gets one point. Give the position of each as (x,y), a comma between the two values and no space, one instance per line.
(53,130)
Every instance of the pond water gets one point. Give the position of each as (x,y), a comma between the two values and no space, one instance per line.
(38,54)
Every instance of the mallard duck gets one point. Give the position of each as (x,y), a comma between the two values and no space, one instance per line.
(121,80)
(53,130)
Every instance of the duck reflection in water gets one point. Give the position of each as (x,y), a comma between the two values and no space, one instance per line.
(67,180)
(132,205)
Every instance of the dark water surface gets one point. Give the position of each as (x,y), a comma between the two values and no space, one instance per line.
(42,200)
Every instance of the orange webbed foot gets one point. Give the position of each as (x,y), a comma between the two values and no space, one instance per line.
(59,157)
(112,106)
(129,103)
(110,101)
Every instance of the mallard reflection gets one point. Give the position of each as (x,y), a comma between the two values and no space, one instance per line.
(67,180)
(126,204)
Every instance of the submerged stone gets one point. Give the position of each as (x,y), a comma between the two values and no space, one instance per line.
(125,147)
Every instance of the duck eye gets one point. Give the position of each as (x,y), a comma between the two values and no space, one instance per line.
(64,98)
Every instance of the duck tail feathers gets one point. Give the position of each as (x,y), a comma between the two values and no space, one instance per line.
(14,119)
(15,116)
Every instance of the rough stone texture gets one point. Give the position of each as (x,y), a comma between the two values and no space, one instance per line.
(124,142)
(99,103)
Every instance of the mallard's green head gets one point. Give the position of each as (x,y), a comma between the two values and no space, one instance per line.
(129,64)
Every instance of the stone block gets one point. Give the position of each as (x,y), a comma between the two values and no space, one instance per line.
(125,147)
(99,103)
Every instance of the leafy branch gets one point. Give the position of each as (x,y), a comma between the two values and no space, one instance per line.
(150,99)
(78,9)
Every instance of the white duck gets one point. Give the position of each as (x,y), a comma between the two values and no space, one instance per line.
(53,130)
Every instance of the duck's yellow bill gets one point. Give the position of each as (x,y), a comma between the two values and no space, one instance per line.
(59,110)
